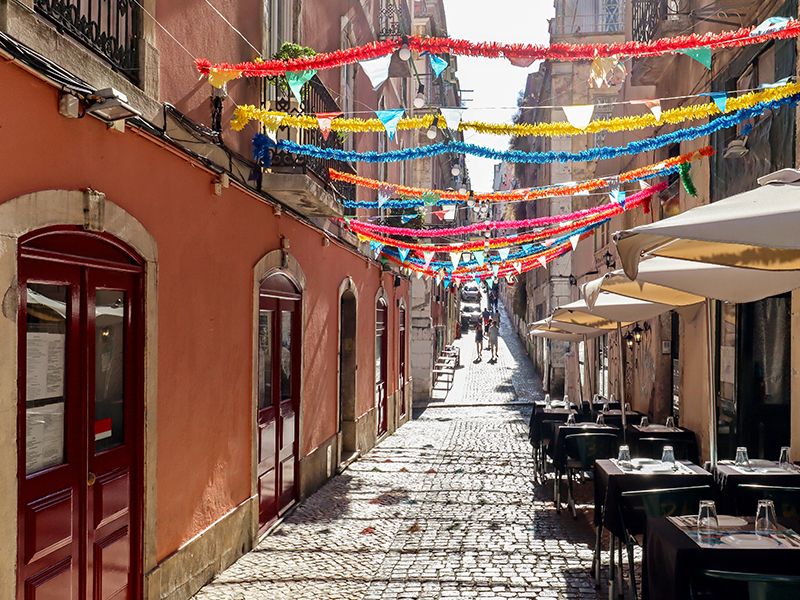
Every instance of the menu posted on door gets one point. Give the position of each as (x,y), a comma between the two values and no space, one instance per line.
(44,415)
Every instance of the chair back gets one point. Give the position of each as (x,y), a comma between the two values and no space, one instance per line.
(589,447)
(653,447)
(548,427)
(786,499)
(759,586)
(636,506)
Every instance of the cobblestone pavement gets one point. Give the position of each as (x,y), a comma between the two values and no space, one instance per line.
(444,508)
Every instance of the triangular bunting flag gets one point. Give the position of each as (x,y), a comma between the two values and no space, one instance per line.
(479,257)
(455,257)
(403,252)
(770,25)
(653,105)
(428,257)
(452,117)
(618,196)
(778,83)
(701,55)
(440,276)
(527,248)
(643,185)
(490,282)
(503,253)
(385,191)
(324,121)
(438,64)
(574,239)
(495,269)
(521,61)
(218,78)
(297,79)
(580,115)
(408,218)
(390,119)
(376,248)
(440,213)
(517,266)
(419,274)
(542,261)
(377,69)
(449,212)
(430,198)
(719,98)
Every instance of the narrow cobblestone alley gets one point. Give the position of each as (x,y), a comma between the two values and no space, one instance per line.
(445,508)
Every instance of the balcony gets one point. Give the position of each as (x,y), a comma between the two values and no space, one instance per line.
(653,19)
(110,28)
(609,21)
(394,20)
(299,181)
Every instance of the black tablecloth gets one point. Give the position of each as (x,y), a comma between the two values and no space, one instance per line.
(728,478)
(636,432)
(610,481)
(558,448)
(542,414)
(671,558)
(599,405)
(614,417)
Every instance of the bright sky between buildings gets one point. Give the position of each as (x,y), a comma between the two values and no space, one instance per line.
(496,83)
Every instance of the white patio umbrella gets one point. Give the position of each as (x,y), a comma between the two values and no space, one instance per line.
(755,232)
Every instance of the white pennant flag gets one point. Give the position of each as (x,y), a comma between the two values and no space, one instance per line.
(377,69)
(503,252)
(428,256)
(542,261)
(324,121)
(419,274)
(579,115)
(643,185)
(449,212)
(574,239)
(653,105)
(452,116)
(454,258)
(517,266)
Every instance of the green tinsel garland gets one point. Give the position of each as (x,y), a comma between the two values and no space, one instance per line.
(686,179)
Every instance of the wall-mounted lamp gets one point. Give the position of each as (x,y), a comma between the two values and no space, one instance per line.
(455,170)
(629,341)
(608,258)
(405,52)
(419,99)
(637,334)
(110,105)
(572,279)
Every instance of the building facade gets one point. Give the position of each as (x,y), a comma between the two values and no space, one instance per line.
(190,344)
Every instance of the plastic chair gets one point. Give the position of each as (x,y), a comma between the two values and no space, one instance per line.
(582,450)
(636,506)
(653,447)
(786,499)
(759,586)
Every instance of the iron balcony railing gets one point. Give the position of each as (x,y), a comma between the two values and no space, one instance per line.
(394,19)
(111,28)
(602,17)
(647,16)
(316,99)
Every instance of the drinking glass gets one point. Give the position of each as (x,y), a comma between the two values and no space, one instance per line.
(624,454)
(707,520)
(606,406)
(547,401)
(765,517)
(627,407)
(783,460)
(671,422)
(668,455)
(741,459)
(645,422)
(600,419)
(566,401)
(571,419)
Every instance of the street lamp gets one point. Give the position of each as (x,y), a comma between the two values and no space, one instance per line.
(629,340)
(637,334)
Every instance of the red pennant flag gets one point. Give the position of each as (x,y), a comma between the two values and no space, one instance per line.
(440,214)
(324,121)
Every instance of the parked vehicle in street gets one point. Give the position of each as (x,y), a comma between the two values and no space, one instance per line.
(470,292)
(470,314)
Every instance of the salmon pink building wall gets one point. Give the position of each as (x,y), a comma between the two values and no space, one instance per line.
(207,247)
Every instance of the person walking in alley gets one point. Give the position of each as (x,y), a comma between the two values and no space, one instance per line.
(479,339)
(494,332)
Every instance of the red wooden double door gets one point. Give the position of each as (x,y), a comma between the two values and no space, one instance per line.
(79,418)
(279,339)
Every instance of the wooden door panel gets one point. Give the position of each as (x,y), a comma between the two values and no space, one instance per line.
(267,484)
(55,583)
(266,446)
(48,526)
(111,497)
(112,565)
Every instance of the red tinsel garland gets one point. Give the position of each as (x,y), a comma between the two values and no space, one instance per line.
(514,52)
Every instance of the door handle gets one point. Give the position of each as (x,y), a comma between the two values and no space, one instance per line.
(91,479)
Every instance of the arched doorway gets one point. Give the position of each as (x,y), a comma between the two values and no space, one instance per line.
(381,348)
(80,415)
(279,340)
(347,373)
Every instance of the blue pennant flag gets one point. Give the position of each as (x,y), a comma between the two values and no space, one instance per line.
(403,252)
(438,64)
(489,282)
(527,248)
(479,257)
(376,248)
(297,79)
(390,119)
(446,282)
(719,98)
(770,25)
(408,218)
(618,196)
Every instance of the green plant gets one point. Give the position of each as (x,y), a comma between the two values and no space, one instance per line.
(289,51)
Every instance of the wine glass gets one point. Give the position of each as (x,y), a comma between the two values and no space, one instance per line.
(783,459)
(707,521)
(600,419)
(627,407)
(624,454)
(671,422)
(645,422)
(547,402)
(668,455)
(571,419)
(741,459)
(765,517)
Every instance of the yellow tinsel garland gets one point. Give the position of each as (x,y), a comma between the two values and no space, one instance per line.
(274,119)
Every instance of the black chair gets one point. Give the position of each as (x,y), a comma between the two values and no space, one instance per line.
(653,447)
(636,506)
(759,586)
(786,499)
(582,450)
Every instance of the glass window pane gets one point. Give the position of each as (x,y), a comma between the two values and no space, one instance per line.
(265,334)
(286,356)
(45,354)
(109,369)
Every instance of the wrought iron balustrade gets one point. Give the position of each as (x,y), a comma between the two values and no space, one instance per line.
(610,19)
(316,99)
(111,28)
(394,19)
(647,16)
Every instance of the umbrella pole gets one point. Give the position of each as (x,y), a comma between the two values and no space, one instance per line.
(580,372)
(621,380)
(712,392)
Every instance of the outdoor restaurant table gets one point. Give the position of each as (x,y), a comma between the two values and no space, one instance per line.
(558,448)
(610,481)
(614,417)
(765,472)
(541,414)
(636,432)
(599,405)
(671,558)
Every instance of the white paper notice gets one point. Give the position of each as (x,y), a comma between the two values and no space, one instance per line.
(44,436)
(44,374)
